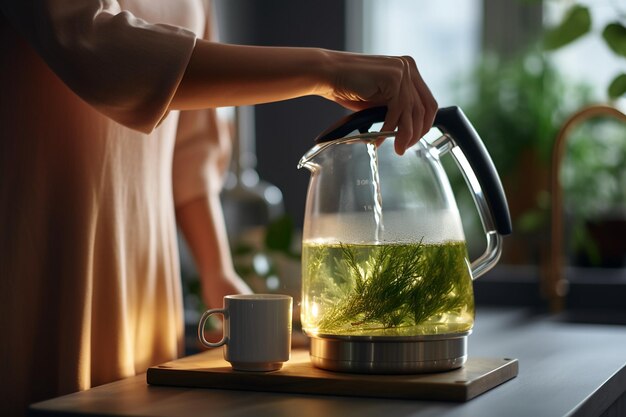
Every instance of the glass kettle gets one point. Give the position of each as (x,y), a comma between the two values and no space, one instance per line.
(387,284)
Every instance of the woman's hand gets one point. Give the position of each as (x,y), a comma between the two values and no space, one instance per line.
(362,81)
(215,286)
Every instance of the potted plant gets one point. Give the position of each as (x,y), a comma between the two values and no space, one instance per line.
(518,105)
(593,173)
(593,178)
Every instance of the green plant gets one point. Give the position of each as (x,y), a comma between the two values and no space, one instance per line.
(576,23)
(388,286)
(593,177)
(518,106)
(593,174)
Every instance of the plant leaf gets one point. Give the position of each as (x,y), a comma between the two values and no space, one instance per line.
(617,88)
(615,36)
(576,23)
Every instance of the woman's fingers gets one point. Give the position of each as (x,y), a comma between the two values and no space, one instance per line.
(391,122)
(365,81)
(419,124)
(413,109)
(411,122)
(425,97)
(405,133)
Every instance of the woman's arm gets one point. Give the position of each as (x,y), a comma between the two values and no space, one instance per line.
(201,159)
(234,75)
(230,75)
(202,223)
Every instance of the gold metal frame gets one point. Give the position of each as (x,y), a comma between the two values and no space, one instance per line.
(555,285)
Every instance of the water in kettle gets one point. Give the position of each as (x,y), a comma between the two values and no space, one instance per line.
(392,289)
(372,151)
(404,274)
(402,226)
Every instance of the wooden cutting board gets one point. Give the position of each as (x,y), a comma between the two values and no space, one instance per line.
(210,370)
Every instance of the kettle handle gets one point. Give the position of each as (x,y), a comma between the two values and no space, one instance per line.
(453,123)
(361,120)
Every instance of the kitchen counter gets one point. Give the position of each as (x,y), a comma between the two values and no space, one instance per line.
(565,369)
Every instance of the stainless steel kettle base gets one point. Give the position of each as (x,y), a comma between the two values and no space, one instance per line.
(389,355)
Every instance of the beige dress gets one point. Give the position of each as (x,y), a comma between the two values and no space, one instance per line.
(89,273)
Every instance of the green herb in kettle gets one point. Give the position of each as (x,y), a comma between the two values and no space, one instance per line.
(413,288)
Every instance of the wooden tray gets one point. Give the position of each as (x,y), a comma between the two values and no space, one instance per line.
(210,370)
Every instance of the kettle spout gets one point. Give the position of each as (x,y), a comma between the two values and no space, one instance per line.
(309,164)
(306,163)
(308,159)
(302,163)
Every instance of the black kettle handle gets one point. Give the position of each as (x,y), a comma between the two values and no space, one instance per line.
(360,120)
(451,121)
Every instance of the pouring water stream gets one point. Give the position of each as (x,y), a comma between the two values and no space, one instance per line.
(372,150)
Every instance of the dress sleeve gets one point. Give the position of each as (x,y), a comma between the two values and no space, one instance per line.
(125,67)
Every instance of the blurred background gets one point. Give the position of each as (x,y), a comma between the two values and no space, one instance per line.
(525,72)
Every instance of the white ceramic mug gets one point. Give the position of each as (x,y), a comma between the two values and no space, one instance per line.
(257,331)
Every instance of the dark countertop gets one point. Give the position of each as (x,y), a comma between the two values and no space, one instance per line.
(565,369)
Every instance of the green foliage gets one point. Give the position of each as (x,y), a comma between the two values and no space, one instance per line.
(575,24)
(536,218)
(615,36)
(395,285)
(617,88)
(593,177)
(593,173)
(519,105)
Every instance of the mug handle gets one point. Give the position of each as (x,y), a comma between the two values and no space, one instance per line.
(202,323)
